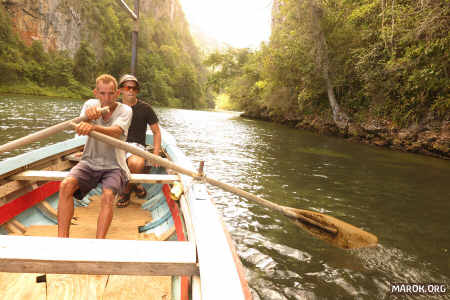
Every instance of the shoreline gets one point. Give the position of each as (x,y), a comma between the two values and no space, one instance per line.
(430,138)
(31,89)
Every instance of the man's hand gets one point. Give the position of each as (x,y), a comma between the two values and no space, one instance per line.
(155,164)
(84,128)
(93,113)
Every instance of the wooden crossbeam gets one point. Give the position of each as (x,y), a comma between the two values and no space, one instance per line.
(31,254)
(39,175)
(153,178)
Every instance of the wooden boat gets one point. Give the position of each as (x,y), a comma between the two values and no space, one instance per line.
(156,248)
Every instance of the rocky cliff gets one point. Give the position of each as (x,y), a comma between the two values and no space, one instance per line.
(72,41)
(62,24)
(429,137)
(56,23)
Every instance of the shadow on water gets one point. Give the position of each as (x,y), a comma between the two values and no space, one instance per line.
(400,197)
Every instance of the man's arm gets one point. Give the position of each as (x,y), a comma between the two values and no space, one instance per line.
(113,131)
(156,138)
(84,128)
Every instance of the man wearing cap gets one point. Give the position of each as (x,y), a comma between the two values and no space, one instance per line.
(143,114)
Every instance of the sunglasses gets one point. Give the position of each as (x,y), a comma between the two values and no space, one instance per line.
(130,88)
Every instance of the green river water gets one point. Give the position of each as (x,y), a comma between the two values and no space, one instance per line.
(402,198)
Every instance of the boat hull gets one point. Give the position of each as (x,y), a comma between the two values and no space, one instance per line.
(30,206)
(165,222)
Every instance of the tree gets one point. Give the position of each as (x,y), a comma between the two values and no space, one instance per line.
(312,16)
(84,67)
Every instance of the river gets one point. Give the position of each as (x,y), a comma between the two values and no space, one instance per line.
(401,197)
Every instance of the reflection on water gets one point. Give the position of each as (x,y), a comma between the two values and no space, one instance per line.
(402,198)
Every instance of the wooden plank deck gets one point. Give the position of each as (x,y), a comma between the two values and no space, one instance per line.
(123,227)
(76,287)
(19,286)
(83,286)
(138,287)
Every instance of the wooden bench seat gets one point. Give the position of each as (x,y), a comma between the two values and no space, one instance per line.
(38,175)
(33,254)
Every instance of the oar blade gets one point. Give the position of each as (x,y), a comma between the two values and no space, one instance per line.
(332,230)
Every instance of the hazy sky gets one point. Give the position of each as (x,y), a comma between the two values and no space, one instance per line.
(239,23)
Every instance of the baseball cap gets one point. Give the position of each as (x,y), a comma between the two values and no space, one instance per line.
(128,77)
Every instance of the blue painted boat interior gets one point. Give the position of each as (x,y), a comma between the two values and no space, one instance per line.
(155,203)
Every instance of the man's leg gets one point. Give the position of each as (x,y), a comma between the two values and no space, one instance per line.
(106,213)
(136,165)
(65,205)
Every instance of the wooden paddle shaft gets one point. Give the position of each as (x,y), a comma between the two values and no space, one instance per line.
(287,211)
(44,133)
(170,165)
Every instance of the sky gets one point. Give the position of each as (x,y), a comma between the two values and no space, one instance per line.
(238,23)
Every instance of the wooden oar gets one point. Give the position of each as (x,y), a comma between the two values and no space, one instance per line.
(330,229)
(43,133)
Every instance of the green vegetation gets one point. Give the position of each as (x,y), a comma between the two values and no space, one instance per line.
(31,69)
(223,102)
(381,59)
(168,67)
(235,72)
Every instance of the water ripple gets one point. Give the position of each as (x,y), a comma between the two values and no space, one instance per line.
(401,198)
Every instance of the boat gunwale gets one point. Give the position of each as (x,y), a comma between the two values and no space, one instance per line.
(196,204)
(15,164)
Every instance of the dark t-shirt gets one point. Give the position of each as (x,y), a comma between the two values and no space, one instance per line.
(143,114)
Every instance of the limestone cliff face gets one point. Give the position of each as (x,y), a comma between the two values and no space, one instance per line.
(169,9)
(162,8)
(56,23)
(60,24)
(276,17)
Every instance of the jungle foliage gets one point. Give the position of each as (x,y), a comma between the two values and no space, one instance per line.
(386,59)
(169,67)
(32,69)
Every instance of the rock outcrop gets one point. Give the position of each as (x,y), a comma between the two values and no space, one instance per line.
(61,25)
(158,9)
(56,23)
(429,137)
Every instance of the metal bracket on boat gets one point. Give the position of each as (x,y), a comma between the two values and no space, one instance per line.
(200,174)
(198,186)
